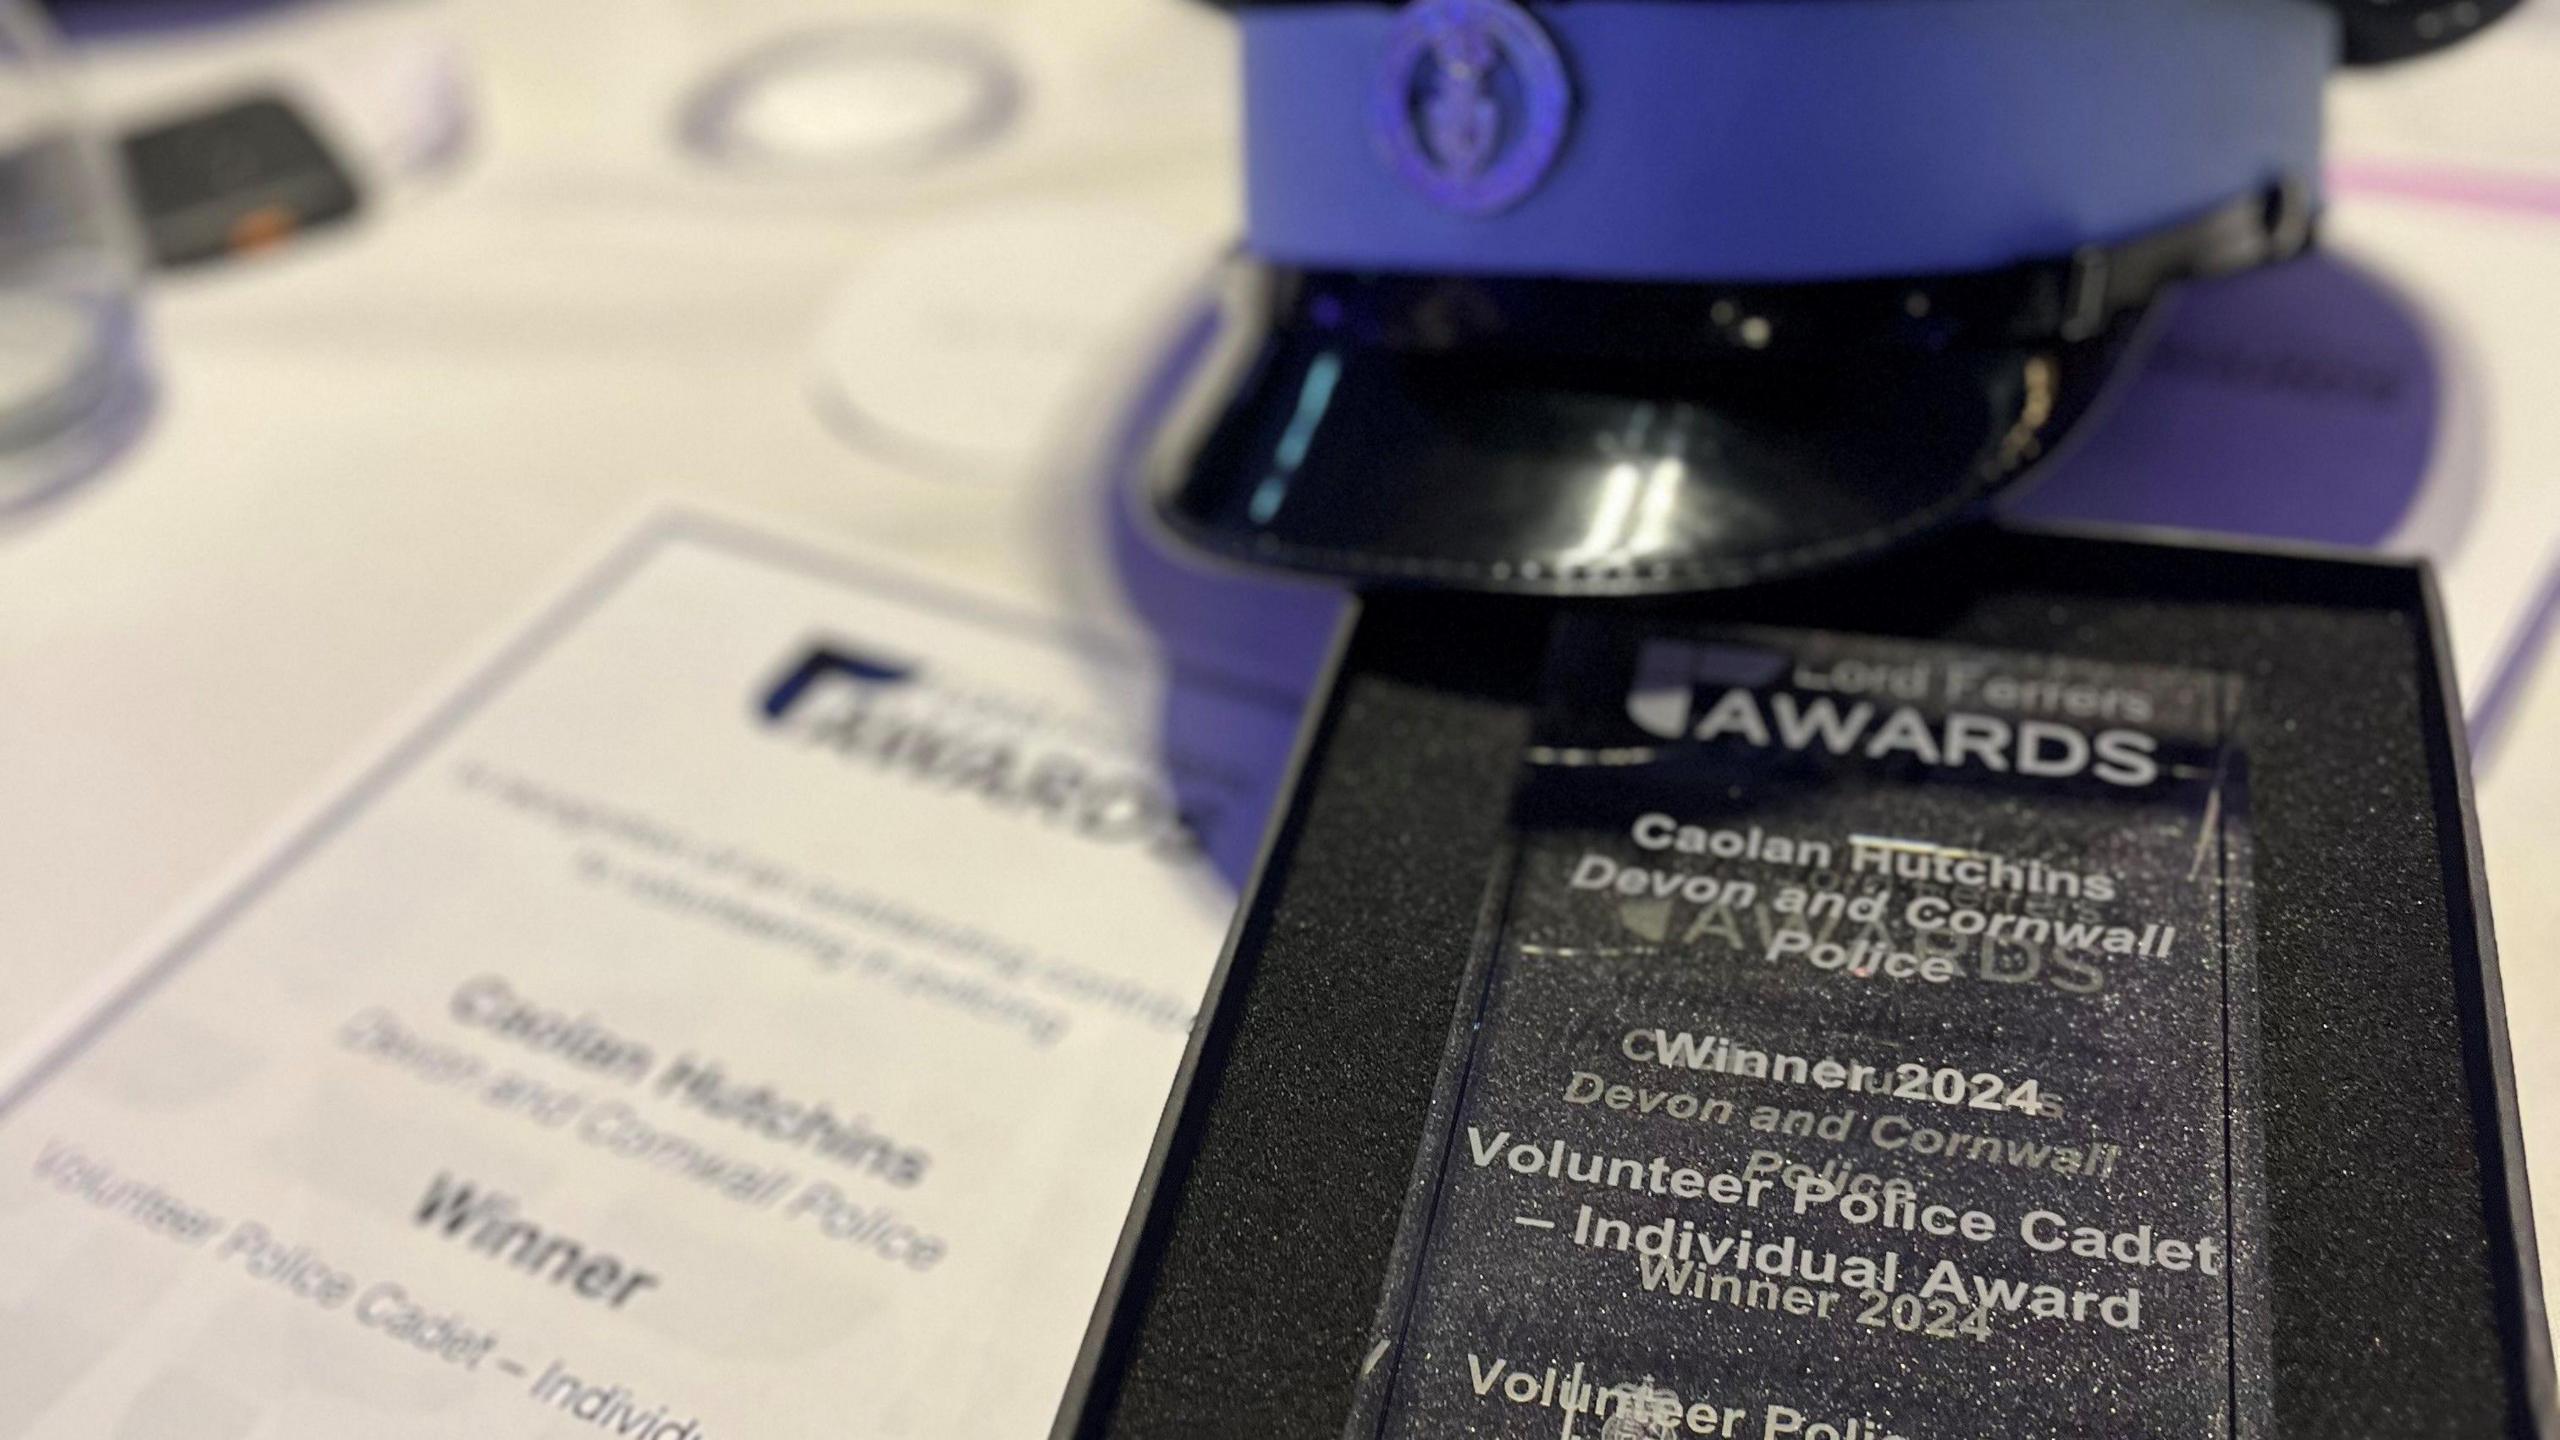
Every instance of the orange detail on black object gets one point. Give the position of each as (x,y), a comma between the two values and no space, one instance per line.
(263,229)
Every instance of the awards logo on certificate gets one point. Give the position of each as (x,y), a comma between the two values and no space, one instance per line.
(743,1010)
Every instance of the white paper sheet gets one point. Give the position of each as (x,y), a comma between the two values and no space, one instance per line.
(741,1010)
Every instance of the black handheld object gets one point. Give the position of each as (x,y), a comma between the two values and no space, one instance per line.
(235,180)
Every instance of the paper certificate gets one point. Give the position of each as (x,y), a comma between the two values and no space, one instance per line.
(742,1011)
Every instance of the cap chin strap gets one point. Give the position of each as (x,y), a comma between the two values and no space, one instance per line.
(2107,280)
(2065,300)
(1767,140)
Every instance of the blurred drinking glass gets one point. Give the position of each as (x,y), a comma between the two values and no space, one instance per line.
(71,379)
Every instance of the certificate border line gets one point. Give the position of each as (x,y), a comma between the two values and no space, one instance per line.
(995,614)
(600,581)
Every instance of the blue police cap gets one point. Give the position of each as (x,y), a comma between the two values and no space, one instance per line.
(1601,296)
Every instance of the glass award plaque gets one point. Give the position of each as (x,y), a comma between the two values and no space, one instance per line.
(1858,1046)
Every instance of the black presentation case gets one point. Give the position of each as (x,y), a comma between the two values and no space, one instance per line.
(2405,1298)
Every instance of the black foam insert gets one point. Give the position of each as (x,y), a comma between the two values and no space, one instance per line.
(2404,1303)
